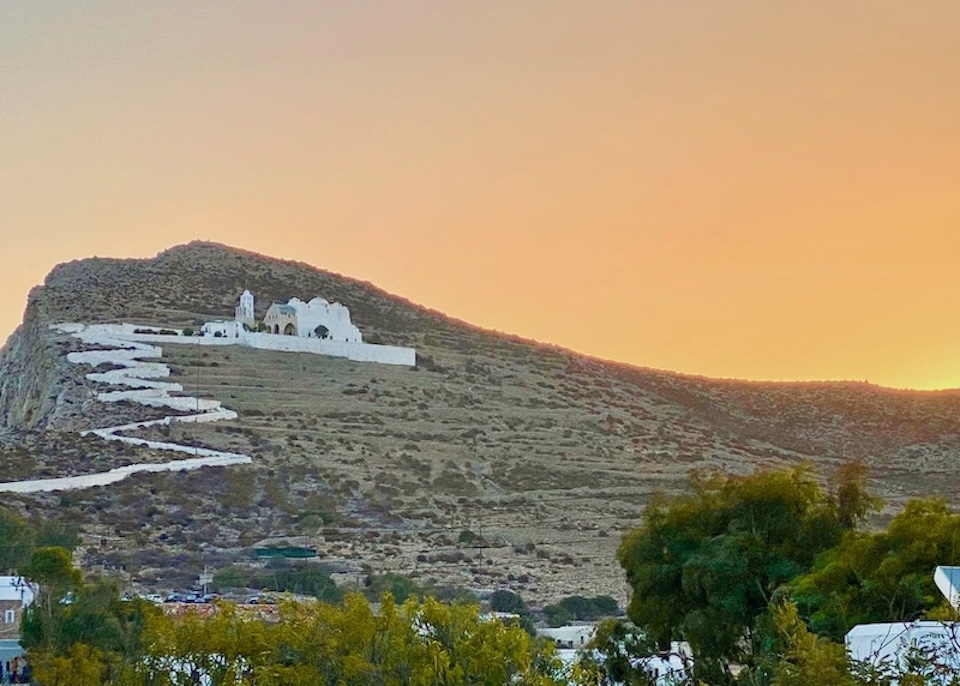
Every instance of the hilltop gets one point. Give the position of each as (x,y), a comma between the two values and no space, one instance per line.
(544,456)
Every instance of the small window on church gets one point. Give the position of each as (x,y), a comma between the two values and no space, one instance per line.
(9,616)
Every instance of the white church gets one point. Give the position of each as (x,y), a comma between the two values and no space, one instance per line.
(317,326)
(315,319)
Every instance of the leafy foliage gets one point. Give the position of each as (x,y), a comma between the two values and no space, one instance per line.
(882,576)
(303,579)
(416,643)
(398,586)
(507,601)
(806,658)
(577,607)
(705,566)
(16,541)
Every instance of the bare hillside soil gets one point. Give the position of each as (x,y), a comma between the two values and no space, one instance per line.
(545,457)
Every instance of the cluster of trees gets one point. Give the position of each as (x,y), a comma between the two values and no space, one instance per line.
(580,608)
(20,538)
(67,615)
(81,632)
(764,572)
(768,572)
(348,644)
(302,578)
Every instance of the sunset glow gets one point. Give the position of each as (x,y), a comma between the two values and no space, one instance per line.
(739,189)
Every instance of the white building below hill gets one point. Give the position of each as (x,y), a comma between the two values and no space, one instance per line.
(893,647)
(16,595)
(571,637)
(890,645)
(663,669)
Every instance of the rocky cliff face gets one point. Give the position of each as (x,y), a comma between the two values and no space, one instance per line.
(38,390)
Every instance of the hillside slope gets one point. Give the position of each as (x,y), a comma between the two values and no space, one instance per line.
(547,455)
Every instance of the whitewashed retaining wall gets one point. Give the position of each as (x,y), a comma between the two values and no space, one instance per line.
(128,348)
(358,352)
(142,377)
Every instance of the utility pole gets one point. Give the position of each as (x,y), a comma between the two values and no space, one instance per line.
(196,421)
(198,374)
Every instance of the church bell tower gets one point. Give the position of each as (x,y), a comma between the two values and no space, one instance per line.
(245,310)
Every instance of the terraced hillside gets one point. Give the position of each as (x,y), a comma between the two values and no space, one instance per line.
(543,456)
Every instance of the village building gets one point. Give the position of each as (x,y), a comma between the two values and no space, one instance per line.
(664,669)
(16,594)
(892,645)
(570,637)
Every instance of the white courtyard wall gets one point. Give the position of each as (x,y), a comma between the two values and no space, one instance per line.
(358,352)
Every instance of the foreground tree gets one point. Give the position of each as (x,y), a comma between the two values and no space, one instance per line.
(806,658)
(705,566)
(16,542)
(76,632)
(414,644)
(882,576)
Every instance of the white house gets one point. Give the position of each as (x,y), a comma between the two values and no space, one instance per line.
(16,594)
(889,645)
(569,637)
(664,668)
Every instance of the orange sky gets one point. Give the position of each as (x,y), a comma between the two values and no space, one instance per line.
(737,189)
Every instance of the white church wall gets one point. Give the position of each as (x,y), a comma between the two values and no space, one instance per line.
(205,458)
(307,317)
(358,352)
(244,312)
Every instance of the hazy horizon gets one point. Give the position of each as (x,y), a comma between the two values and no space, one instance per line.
(738,190)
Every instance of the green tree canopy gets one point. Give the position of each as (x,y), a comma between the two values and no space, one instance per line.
(16,542)
(415,643)
(881,576)
(704,566)
(507,601)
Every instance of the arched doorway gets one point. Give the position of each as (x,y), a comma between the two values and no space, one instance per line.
(290,330)
(276,328)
